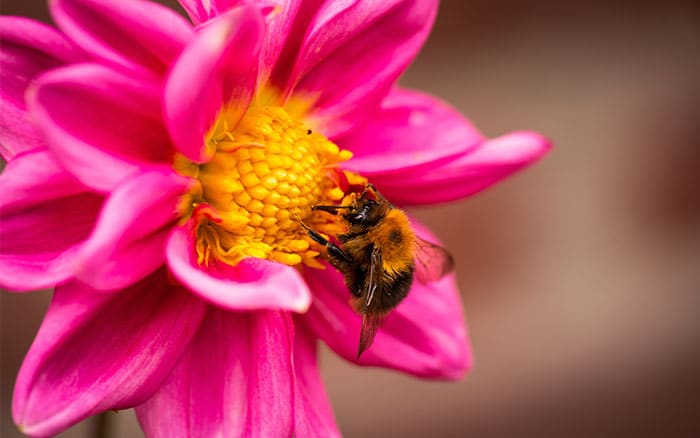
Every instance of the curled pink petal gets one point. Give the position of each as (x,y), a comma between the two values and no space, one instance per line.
(380,37)
(35,177)
(313,414)
(133,34)
(45,214)
(424,336)
(280,16)
(217,69)
(34,35)
(490,162)
(96,352)
(251,284)
(28,49)
(410,131)
(200,11)
(102,125)
(128,240)
(236,379)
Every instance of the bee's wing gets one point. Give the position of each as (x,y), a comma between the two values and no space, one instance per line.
(370,325)
(432,261)
(370,318)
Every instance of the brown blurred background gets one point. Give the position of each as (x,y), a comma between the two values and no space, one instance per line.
(581,276)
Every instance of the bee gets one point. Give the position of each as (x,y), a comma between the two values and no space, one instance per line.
(379,255)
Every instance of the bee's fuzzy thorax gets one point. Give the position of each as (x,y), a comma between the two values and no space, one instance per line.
(396,240)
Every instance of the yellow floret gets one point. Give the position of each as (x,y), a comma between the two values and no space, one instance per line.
(266,174)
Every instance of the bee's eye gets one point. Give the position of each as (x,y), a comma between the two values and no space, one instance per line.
(363,214)
(356,218)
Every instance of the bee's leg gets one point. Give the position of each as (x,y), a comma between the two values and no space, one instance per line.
(348,236)
(332,209)
(339,258)
(368,187)
(374,190)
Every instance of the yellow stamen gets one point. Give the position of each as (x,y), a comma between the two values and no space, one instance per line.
(266,173)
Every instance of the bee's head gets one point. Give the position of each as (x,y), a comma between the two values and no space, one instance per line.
(364,209)
(362,212)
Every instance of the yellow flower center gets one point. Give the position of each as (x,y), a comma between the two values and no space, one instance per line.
(266,173)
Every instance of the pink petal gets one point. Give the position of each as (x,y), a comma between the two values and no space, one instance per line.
(137,35)
(410,132)
(424,336)
(490,162)
(200,11)
(251,284)
(96,352)
(35,177)
(281,17)
(28,49)
(353,53)
(129,238)
(102,125)
(292,20)
(45,215)
(25,32)
(236,379)
(313,415)
(217,68)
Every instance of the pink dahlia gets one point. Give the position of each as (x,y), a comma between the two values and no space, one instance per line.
(157,170)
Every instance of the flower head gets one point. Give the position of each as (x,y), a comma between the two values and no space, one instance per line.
(157,173)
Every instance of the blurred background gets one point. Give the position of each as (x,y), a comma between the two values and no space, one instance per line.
(580,276)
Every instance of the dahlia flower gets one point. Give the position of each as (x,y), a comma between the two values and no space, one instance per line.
(156,171)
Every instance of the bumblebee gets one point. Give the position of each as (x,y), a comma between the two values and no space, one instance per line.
(379,255)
